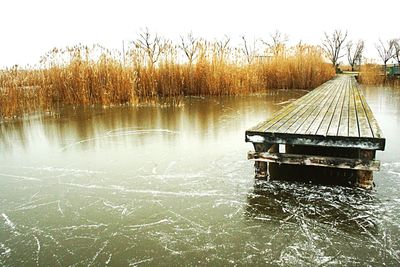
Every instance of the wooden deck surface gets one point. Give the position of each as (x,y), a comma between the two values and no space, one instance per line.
(334,114)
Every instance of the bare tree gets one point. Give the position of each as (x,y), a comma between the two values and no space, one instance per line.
(397,51)
(222,47)
(151,44)
(332,45)
(190,46)
(248,51)
(277,43)
(385,51)
(355,56)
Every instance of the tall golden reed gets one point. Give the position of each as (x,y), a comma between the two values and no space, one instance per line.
(371,74)
(96,76)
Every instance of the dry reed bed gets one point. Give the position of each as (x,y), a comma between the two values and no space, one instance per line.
(96,76)
(373,74)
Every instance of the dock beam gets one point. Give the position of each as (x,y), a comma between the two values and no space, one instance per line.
(322,165)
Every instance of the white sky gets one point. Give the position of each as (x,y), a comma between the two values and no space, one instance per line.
(29,28)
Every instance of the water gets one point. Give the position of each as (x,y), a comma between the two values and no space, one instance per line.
(171,186)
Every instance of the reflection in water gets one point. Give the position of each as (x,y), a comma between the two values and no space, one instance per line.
(172,186)
(201,117)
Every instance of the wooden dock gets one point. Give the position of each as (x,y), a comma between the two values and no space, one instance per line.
(332,127)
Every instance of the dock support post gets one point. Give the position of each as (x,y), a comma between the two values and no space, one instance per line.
(365,179)
(261,168)
(273,168)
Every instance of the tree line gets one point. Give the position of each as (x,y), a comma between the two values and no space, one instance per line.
(334,43)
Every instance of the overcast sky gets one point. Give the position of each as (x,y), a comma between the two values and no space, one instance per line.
(29,28)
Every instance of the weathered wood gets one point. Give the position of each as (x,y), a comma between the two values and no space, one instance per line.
(334,114)
(313,128)
(330,132)
(353,124)
(335,121)
(315,140)
(376,130)
(294,113)
(324,126)
(296,119)
(309,160)
(293,107)
(321,109)
(261,168)
(343,128)
(365,177)
(273,168)
(363,124)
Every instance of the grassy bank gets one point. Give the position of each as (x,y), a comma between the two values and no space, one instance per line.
(146,72)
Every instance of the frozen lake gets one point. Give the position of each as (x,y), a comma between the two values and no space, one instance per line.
(172,186)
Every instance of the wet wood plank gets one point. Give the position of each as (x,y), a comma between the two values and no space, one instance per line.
(291,111)
(376,130)
(334,125)
(300,115)
(353,124)
(279,114)
(315,140)
(286,111)
(315,125)
(363,123)
(324,126)
(319,111)
(306,118)
(344,117)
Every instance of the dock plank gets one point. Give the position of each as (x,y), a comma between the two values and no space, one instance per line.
(281,113)
(313,127)
(302,126)
(294,111)
(353,122)
(324,126)
(298,117)
(363,123)
(376,130)
(334,125)
(287,110)
(344,117)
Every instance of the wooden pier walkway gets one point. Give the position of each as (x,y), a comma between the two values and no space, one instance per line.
(332,126)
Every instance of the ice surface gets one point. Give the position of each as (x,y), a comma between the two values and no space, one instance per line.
(150,186)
